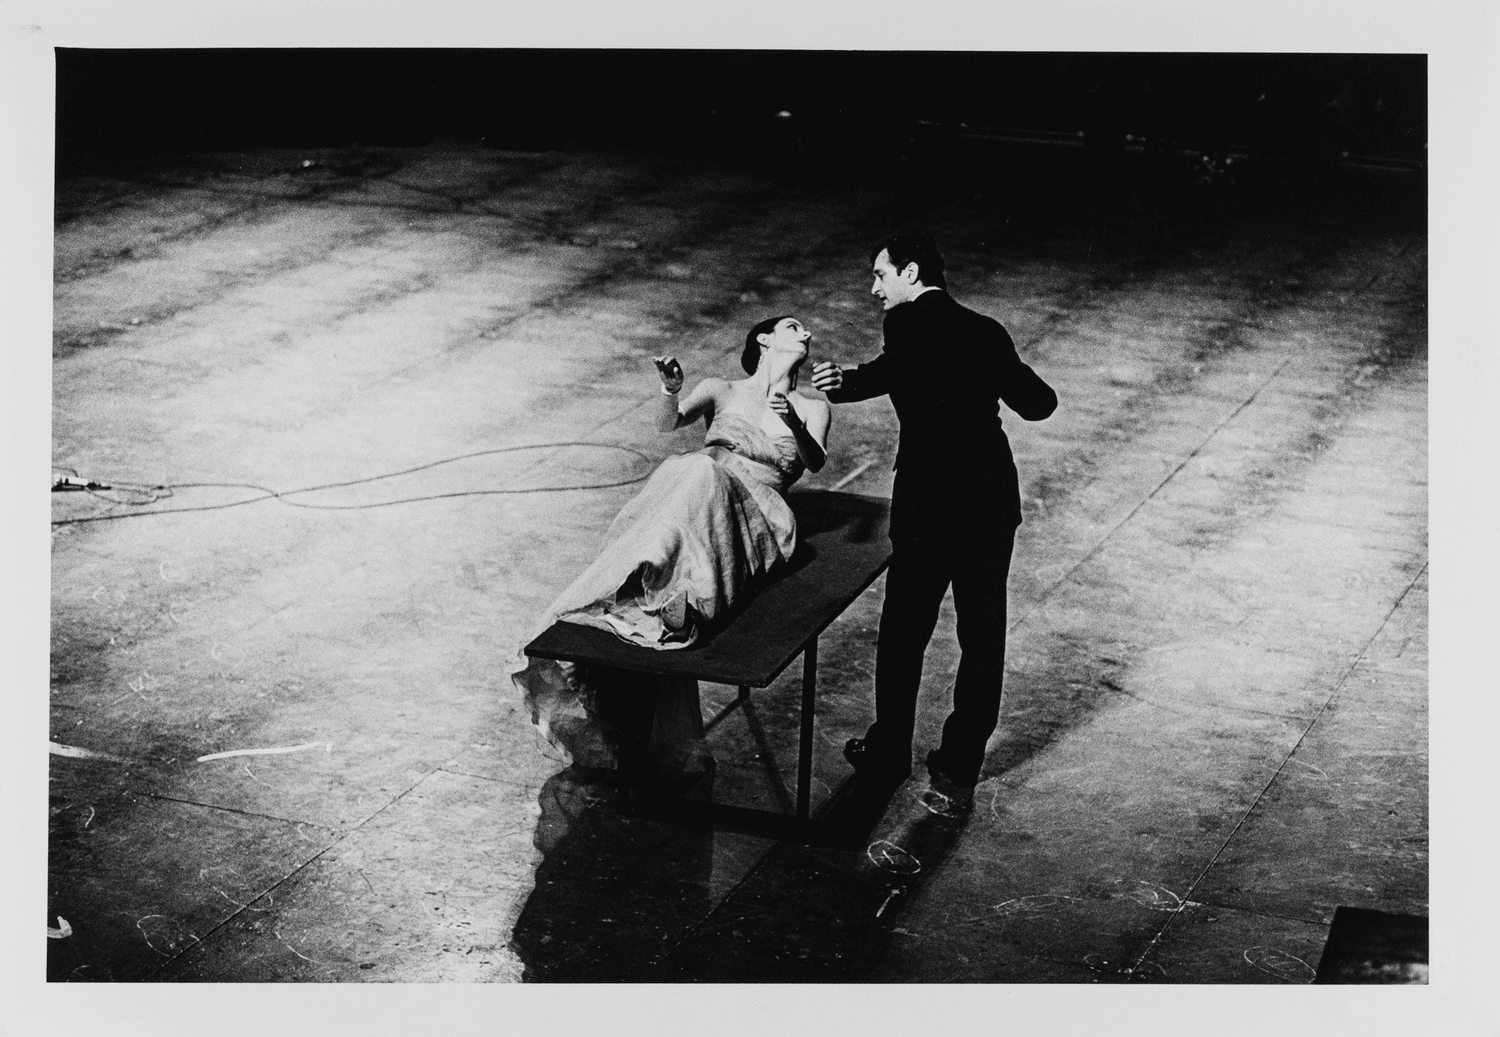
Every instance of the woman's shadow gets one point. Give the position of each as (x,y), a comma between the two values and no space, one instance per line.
(611,889)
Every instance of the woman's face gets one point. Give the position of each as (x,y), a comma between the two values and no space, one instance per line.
(788,336)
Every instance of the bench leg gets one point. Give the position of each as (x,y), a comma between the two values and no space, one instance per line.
(804,758)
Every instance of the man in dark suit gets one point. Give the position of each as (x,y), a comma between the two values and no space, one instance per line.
(954,509)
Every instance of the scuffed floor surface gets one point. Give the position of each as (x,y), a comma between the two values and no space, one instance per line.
(1214,728)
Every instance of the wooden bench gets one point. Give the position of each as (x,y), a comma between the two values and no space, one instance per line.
(842,546)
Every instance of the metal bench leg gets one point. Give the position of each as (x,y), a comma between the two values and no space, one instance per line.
(804,759)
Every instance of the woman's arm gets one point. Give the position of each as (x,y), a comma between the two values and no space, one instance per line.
(809,427)
(674,411)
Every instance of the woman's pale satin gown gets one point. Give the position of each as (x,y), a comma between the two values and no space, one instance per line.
(708,527)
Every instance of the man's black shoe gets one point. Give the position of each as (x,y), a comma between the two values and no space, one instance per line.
(939,771)
(945,800)
(868,763)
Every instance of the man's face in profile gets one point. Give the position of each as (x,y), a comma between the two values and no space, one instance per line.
(891,287)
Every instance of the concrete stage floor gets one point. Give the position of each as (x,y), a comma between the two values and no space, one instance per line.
(1214,729)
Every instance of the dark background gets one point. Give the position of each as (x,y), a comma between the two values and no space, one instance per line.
(1307,118)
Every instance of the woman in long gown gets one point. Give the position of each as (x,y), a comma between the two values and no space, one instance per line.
(707,528)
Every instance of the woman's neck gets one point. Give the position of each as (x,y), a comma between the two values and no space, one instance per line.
(778,373)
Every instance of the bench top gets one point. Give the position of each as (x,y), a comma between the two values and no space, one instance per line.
(843,545)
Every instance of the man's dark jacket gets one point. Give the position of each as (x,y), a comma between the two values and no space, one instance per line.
(946,368)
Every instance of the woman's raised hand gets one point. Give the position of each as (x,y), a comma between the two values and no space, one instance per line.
(670,371)
(827,376)
(783,409)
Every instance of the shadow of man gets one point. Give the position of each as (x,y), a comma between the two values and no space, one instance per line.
(628,899)
(825,912)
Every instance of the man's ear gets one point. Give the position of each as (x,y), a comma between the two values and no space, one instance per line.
(911,273)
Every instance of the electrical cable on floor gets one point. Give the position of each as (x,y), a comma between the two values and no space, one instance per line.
(162,491)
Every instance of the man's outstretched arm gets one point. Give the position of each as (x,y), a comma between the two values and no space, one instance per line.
(852,384)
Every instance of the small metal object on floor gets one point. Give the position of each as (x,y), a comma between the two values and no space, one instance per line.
(1374,947)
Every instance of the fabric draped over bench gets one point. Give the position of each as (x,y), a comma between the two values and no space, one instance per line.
(707,529)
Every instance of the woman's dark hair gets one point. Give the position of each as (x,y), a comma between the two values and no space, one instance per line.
(750,358)
(915,248)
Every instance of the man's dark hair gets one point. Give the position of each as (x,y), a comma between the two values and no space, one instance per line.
(915,248)
(750,358)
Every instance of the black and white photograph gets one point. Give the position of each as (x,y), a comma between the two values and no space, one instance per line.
(734,513)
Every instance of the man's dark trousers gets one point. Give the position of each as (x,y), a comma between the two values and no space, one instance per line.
(920,573)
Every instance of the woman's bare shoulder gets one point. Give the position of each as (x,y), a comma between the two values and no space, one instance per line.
(714,387)
(811,404)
